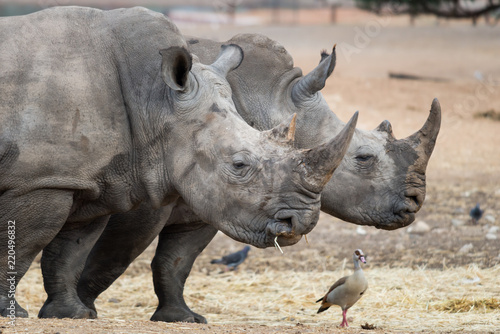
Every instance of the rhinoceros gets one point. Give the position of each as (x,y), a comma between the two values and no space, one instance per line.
(380,182)
(102,111)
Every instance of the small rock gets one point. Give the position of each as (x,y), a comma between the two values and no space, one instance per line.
(360,230)
(458,211)
(440,230)
(419,227)
(457,222)
(465,249)
(470,280)
(400,247)
(493,229)
(491,236)
(478,75)
(114,300)
(489,218)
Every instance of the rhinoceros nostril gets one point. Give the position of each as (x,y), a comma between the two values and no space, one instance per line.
(414,200)
(287,222)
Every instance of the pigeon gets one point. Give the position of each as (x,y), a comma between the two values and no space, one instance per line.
(347,290)
(232,261)
(476,213)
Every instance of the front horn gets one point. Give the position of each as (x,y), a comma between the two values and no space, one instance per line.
(319,163)
(424,139)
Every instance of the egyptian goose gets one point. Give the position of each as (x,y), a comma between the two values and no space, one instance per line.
(347,290)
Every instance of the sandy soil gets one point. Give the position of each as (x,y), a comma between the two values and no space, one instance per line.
(274,293)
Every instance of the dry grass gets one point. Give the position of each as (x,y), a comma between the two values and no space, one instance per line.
(398,299)
(467,305)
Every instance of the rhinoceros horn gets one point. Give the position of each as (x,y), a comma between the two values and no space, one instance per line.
(229,58)
(423,140)
(314,81)
(319,163)
(284,132)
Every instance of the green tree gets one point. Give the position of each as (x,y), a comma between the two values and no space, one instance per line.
(472,9)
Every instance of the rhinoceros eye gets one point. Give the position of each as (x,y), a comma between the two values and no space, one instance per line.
(364,157)
(365,162)
(240,168)
(239,164)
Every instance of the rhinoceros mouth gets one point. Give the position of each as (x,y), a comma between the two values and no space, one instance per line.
(280,227)
(402,215)
(398,220)
(283,230)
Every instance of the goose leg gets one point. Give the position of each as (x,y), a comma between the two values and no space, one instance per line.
(344,319)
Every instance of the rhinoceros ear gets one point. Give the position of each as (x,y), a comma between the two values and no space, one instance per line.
(385,126)
(175,67)
(229,58)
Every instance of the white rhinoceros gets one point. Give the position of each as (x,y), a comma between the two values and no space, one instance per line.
(101,111)
(380,182)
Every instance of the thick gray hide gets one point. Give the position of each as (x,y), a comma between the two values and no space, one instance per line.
(380,182)
(94,121)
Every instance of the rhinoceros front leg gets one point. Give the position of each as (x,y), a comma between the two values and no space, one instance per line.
(62,263)
(125,237)
(176,252)
(28,223)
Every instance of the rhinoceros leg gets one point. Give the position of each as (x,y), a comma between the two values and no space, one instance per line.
(62,263)
(176,252)
(126,236)
(28,223)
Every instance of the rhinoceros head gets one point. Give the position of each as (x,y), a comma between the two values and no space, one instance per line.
(380,182)
(385,177)
(254,186)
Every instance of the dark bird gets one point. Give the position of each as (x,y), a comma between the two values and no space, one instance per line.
(232,261)
(347,290)
(476,213)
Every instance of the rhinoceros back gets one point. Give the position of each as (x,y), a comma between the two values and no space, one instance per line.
(71,81)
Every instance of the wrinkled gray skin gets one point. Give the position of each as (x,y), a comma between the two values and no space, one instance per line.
(104,111)
(380,182)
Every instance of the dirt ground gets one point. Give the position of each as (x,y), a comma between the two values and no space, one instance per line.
(410,274)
